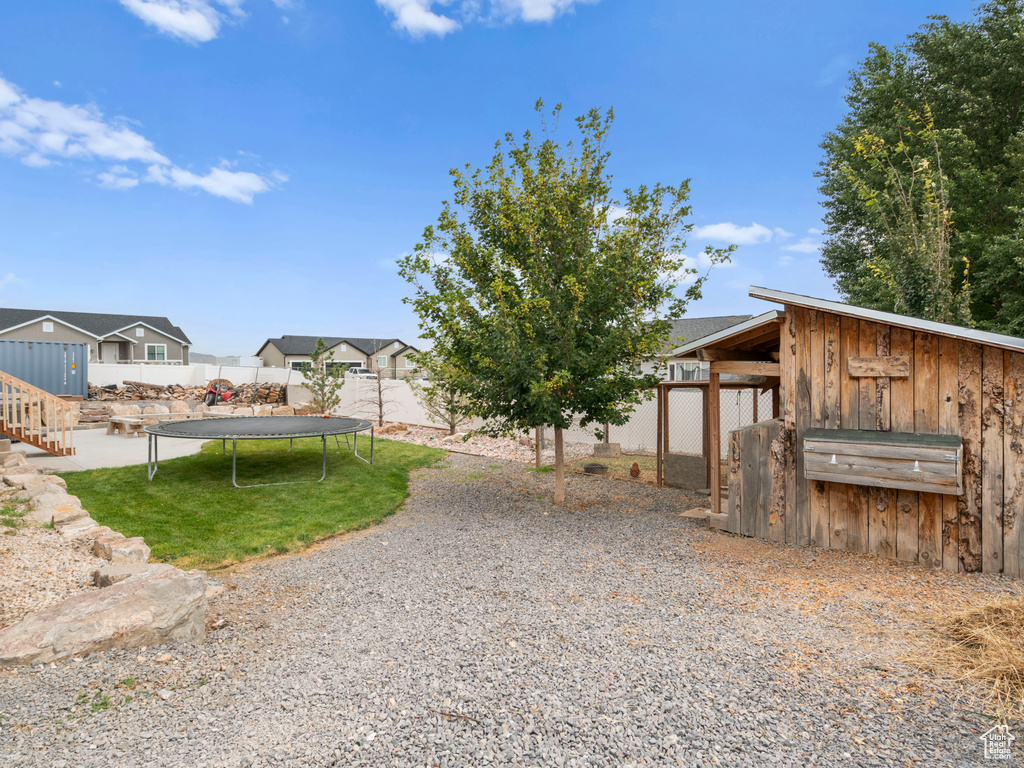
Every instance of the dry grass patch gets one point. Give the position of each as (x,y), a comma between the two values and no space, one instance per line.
(983,645)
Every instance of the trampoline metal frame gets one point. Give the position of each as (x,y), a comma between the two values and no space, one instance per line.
(153,457)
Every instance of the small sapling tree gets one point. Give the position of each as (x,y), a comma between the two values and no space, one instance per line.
(441,396)
(324,379)
(546,293)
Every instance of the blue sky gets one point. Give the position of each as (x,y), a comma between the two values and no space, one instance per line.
(251,168)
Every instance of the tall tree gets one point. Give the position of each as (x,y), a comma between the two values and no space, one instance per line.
(545,292)
(971,77)
(914,272)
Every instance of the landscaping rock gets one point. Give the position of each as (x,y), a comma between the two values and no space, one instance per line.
(243,411)
(82,528)
(263,410)
(220,410)
(108,575)
(283,410)
(179,406)
(13,459)
(121,551)
(124,409)
(456,438)
(153,608)
(55,498)
(22,476)
(33,485)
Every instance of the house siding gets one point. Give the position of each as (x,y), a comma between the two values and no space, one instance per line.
(60,333)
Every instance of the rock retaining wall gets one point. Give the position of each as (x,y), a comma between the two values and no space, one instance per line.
(141,603)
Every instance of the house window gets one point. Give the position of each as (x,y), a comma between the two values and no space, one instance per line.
(382,361)
(409,363)
(300,365)
(398,344)
(47,326)
(689,371)
(342,348)
(140,331)
(156,352)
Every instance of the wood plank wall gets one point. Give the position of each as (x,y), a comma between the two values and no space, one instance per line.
(954,387)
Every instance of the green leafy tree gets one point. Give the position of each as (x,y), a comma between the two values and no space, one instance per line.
(544,292)
(441,396)
(915,272)
(324,379)
(970,75)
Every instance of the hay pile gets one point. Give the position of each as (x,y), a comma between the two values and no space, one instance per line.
(983,645)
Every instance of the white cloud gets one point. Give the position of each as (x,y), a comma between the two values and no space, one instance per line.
(727,232)
(535,10)
(806,245)
(813,231)
(781,233)
(785,260)
(41,132)
(57,83)
(240,186)
(8,279)
(118,177)
(419,18)
(193,21)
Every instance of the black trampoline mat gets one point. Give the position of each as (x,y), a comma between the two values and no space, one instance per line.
(258,427)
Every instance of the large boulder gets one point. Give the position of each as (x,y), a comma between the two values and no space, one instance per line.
(56,498)
(220,410)
(152,608)
(263,410)
(243,410)
(179,406)
(13,459)
(283,410)
(108,575)
(124,409)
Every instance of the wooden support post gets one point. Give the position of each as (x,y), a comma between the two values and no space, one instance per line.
(715,442)
(705,442)
(661,458)
(754,395)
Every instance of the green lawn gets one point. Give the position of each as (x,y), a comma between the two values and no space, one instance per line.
(192,516)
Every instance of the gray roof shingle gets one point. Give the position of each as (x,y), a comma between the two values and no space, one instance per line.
(689,329)
(96,323)
(303,345)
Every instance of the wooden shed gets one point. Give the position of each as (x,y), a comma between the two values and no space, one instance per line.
(896,436)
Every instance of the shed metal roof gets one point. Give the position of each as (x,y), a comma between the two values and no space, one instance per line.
(1012,343)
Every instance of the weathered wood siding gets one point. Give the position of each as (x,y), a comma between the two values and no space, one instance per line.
(953,387)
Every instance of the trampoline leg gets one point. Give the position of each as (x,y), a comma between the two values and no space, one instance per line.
(152,459)
(355,446)
(234,463)
(323,438)
(223,448)
(291,444)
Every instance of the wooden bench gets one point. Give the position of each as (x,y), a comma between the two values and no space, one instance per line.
(132,426)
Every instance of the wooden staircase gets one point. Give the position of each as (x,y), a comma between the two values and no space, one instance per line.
(35,417)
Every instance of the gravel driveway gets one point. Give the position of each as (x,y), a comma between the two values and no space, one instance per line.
(481,626)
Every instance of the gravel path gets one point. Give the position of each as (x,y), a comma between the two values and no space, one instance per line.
(480,626)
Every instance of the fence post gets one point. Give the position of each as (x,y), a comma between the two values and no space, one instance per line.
(657,439)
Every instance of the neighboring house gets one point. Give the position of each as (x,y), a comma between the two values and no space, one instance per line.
(351,352)
(676,368)
(111,338)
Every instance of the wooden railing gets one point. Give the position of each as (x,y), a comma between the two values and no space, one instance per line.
(36,417)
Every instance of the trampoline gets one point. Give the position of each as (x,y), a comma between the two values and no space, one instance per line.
(235,428)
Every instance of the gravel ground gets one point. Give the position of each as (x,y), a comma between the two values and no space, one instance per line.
(38,567)
(482,445)
(481,626)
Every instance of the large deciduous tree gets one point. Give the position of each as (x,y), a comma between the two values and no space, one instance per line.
(544,291)
(970,75)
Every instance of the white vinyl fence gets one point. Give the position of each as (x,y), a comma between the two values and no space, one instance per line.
(105,374)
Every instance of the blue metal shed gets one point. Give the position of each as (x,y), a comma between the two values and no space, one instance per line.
(57,367)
